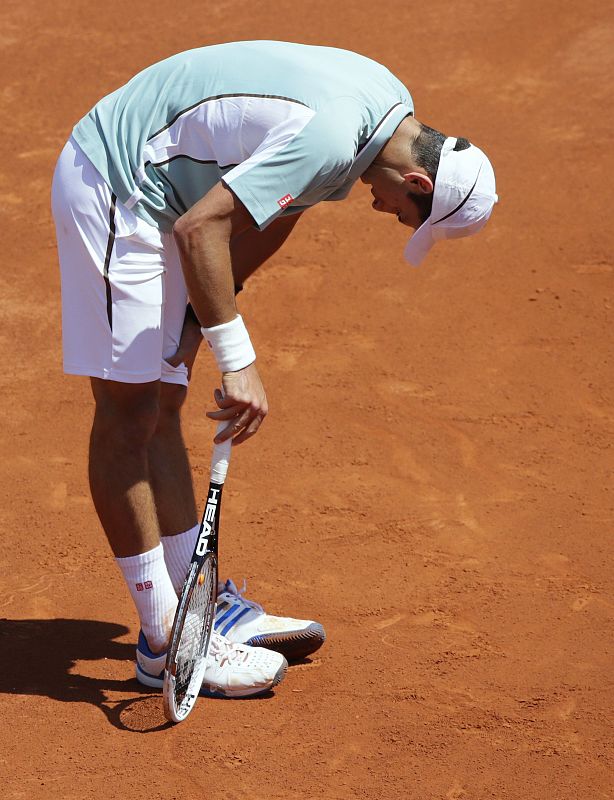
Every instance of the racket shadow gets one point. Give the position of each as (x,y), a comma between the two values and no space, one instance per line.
(44,657)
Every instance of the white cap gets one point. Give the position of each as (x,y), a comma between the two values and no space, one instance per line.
(463,199)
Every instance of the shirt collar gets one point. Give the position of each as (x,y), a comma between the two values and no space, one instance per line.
(381,134)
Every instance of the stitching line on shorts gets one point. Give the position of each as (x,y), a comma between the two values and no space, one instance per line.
(107,260)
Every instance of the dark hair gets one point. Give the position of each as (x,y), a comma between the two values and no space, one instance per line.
(426,152)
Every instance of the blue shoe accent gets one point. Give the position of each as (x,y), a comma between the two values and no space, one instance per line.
(149,665)
(224,617)
(144,647)
(234,621)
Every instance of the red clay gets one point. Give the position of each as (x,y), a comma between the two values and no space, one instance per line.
(437,491)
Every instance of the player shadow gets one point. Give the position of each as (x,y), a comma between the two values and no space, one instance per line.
(40,657)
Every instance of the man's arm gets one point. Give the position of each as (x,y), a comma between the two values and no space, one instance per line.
(203,236)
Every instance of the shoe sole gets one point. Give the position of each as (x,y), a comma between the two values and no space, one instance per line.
(293,645)
(207,690)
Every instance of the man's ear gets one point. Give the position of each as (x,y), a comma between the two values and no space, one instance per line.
(418,183)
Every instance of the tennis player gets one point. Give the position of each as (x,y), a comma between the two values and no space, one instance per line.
(176,187)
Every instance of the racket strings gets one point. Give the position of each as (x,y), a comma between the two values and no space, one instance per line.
(191,650)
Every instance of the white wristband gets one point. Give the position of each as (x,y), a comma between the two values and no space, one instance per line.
(231,344)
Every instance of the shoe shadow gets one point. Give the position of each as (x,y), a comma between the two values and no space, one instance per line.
(40,656)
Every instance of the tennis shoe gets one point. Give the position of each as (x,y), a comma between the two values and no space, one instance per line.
(245,621)
(233,670)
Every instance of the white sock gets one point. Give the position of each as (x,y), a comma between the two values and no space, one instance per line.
(178,554)
(153,594)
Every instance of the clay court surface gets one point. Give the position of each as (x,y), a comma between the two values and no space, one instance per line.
(433,483)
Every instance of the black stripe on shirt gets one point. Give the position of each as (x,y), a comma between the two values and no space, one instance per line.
(190,158)
(223,97)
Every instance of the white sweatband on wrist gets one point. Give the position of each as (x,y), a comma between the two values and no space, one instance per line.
(231,344)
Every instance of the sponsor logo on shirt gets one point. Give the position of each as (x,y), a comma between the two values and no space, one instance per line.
(285,201)
(141,586)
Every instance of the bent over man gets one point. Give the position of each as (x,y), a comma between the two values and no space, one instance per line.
(176,187)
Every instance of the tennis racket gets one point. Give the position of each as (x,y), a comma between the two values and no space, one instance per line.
(193,624)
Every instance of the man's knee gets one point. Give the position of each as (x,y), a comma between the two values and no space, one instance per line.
(127,412)
(172,398)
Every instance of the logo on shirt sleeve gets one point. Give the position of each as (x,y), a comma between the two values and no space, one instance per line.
(285,201)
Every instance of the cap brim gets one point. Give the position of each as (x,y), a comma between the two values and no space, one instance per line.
(419,245)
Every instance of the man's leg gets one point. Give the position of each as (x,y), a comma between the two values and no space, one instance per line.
(171,481)
(125,420)
(169,467)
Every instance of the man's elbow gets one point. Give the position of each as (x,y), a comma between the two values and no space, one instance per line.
(193,226)
(185,229)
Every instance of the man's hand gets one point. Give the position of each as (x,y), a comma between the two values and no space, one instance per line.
(243,401)
(189,343)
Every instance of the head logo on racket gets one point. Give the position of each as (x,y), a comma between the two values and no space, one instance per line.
(208,518)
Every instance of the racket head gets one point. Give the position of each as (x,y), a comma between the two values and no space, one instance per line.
(186,659)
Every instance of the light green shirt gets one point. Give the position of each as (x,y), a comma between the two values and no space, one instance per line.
(283,125)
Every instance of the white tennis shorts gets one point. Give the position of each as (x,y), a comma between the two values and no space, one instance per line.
(123,293)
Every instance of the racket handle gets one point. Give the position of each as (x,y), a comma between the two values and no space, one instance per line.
(221,455)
